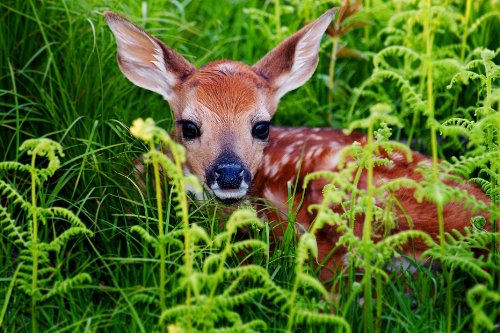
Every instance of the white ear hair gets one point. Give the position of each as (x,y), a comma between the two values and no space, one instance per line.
(290,64)
(306,54)
(145,60)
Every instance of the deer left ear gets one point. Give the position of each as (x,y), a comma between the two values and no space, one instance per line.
(290,64)
(145,60)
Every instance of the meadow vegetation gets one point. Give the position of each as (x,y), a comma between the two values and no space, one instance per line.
(84,247)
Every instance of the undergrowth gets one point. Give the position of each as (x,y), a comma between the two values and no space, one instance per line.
(87,246)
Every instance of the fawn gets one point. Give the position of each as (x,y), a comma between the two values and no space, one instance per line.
(222,113)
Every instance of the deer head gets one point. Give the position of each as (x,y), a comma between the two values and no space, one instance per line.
(222,110)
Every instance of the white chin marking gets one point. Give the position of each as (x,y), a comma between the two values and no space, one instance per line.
(235,194)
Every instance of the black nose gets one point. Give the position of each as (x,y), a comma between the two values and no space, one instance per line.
(229,176)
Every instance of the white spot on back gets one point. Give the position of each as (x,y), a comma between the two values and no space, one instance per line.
(285,159)
(274,198)
(331,160)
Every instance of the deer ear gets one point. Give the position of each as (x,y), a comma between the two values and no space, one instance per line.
(290,64)
(145,60)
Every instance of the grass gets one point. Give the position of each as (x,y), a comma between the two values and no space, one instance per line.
(59,80)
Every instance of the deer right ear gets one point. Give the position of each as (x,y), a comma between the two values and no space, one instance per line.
(290,64)
(145,60)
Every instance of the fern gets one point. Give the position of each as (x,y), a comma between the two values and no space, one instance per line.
(482,300)
(37,277)
(460,253)
(307,244)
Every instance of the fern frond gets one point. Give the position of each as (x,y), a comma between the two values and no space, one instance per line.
(398,183)
(456,126)
(243,218)
(253,272)
(307,244)
(62,287)
(379,61)
(10,193)
(144,299)
(65,213)
(468,200)
(444,70)
(314,318)
(181,311)
(480,299)
(411,96)
(16,166)
(9,225)
(145,235)
(464,166)
(249,243)
(44,147)
(390,146)
(198,234)
(479,21)
(230,301)
(389,244)
(307,281)
(484,184)
(466,264)
(442,17)
(62,238)
(316,175)
(254,326)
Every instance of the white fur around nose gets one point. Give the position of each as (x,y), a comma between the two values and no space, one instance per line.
(229,194)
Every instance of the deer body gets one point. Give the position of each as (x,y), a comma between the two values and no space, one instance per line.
(223,111)
(294,152)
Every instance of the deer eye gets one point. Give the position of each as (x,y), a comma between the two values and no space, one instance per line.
(261,130)
(190,130)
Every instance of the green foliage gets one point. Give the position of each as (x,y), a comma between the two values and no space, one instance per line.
(461,253)
(484,304)
(364,252)
(36,275)
(297,314)
(423,72)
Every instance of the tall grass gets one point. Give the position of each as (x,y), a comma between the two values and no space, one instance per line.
(148,263)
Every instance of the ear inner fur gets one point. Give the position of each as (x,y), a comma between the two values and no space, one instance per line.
(145,60)
(290,64)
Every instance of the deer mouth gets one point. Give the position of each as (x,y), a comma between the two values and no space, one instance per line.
(229,196)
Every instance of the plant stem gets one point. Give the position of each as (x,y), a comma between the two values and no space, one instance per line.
(464,42)
(429,40)
(378,319)
(496,216)
(16,102)
(367,27)
(367,231)
(181,185)
(464,24)
(277,18)
(293,296)
(220,270)
(352,215)
(34,245)
(161,236)
(331,70)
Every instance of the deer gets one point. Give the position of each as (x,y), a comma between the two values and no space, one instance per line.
(223,113)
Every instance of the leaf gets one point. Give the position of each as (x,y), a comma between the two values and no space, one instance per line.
(345,52)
